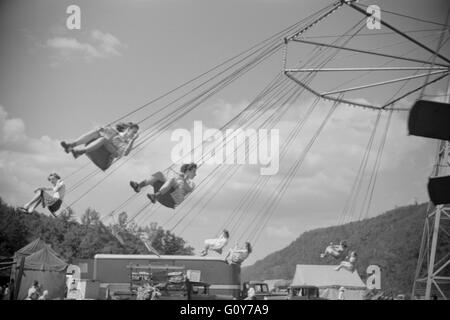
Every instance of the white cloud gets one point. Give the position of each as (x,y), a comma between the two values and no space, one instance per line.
(100,45)
(107,42)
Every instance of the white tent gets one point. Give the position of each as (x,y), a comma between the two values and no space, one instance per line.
(329,281)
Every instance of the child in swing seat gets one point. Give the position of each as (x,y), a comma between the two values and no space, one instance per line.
(51,201)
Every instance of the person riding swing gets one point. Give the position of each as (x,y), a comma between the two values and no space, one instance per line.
(169,191)
(216,244)
(336,251)
(105,144)
(237,255)
(348,264)
(52,201)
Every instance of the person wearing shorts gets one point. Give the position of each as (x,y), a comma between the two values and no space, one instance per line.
(53,200)
(179,186)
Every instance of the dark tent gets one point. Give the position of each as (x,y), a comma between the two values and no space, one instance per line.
(31,248)
(49,258)
(24,252)
(48,269)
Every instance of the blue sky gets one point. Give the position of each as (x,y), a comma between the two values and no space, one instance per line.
(57,83)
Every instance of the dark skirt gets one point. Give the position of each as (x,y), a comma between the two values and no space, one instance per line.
(55,207)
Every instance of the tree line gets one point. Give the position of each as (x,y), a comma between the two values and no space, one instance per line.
(82,240)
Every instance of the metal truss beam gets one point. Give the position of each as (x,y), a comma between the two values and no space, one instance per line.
(367,52)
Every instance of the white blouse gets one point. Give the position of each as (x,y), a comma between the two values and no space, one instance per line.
(59,190)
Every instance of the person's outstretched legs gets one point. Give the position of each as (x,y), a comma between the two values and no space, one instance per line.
(346,265)
(85,138)
(229,254)
(338,267)
(81,140)
(137,186)
(326,252)
(33,207)
(36,199)
(91,147)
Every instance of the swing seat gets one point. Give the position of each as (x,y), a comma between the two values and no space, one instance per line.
(439,190)
(102,157)
(430,119)
(165,199)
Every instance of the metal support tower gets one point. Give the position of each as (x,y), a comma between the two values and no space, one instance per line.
(432,262)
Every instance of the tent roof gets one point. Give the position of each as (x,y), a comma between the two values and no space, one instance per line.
(325,276)
(44,260)
(32,247)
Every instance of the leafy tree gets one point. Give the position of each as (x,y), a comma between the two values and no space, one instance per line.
(13,231)
(166,242)
(74,240)
(90,217)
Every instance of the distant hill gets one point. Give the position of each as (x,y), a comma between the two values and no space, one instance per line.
(391,241)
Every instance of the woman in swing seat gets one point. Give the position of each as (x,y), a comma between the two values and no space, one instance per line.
(179,186)
(336,251)
(118,141)
(349,264)
(51,201)
(216,244)
(237,255)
